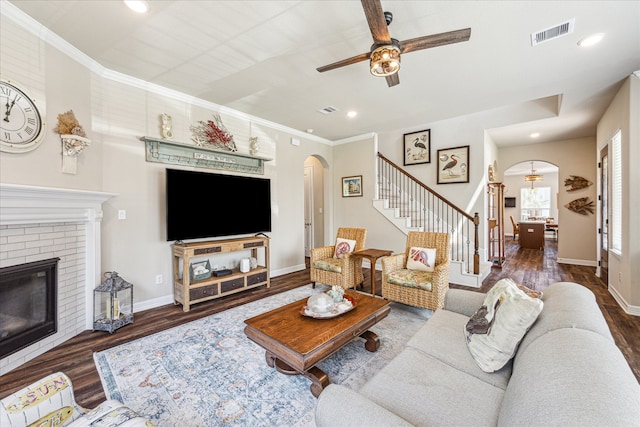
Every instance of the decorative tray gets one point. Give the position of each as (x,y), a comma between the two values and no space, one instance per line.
(348,303)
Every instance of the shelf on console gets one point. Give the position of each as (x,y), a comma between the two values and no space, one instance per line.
(178,153)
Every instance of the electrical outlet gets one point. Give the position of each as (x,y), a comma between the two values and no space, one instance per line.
(122,214)
(158,279)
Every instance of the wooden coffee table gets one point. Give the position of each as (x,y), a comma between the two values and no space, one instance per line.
(295,343)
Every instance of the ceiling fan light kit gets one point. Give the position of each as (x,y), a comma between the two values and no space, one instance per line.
(385,59)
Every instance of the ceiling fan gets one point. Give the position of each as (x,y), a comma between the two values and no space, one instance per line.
(385,52)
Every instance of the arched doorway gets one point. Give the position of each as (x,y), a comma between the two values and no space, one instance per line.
(531,199)
(314,203)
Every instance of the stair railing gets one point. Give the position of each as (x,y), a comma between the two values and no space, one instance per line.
(429,211)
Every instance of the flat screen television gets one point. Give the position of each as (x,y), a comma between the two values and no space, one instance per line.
(201,205)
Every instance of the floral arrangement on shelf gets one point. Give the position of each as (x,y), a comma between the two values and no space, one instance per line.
(213,132)
(69,125)
(74,139)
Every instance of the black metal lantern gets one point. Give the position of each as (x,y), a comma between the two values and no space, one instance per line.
(112,303)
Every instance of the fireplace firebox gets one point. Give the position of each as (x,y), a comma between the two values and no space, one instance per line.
(28,304)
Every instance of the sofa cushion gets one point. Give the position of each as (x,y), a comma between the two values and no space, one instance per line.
(571,377)
(443,338)
(425,391)
(421,259)
(343,246)
(510,314)
(411,278)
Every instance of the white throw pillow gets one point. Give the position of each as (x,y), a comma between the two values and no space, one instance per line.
(422,259)
(510,313)
(343,246)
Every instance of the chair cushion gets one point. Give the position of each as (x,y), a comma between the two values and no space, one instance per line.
(328,264)
(344,246)
(422,259)
(412,278)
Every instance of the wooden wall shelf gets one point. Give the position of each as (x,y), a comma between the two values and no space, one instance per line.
(178,153)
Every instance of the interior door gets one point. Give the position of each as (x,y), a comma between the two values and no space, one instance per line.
(308,210)
(604,215)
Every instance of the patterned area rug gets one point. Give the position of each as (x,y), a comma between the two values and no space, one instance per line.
(207,372)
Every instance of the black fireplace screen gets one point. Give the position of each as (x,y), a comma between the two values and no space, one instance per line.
(28,304)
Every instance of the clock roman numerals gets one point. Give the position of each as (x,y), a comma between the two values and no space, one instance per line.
(20,121)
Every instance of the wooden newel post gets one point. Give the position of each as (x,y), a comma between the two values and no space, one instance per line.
(476,254)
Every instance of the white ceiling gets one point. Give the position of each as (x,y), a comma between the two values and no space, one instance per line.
(260,57)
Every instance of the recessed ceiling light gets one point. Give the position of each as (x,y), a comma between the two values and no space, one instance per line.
(140,6)
(352,114)
(591,40)
(535,135)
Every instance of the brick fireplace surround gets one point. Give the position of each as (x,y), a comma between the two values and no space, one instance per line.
(38,223)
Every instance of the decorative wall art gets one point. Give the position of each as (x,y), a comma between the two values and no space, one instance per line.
(574,183)
(214,134)
(417,147)
(453,165)
(583,206)
(352,186)
(167,126)
(74,140)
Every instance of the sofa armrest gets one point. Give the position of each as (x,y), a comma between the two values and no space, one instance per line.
(340,406)
(463,301)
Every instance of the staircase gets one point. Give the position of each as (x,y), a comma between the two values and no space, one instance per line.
(412,206)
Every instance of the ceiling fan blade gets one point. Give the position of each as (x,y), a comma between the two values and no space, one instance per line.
(345,62)
(393,80)
(377,23)
(435,40)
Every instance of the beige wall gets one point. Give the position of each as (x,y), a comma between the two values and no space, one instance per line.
(624,114)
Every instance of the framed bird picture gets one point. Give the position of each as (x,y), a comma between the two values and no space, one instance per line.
(453,165)
(417,147)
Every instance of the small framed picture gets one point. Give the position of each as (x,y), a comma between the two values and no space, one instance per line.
(417,147)
(453,165)
(352,186)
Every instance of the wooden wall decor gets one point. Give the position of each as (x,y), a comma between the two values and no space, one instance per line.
(583,206)
(575,182)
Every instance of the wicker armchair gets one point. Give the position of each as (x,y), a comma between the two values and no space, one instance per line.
(418,288)
(345,271)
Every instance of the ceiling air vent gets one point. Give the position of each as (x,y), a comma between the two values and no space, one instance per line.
(328,110)
(553,32)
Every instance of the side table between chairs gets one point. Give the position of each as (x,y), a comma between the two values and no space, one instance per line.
(372,255)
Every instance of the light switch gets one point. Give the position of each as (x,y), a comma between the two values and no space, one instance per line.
(122,214)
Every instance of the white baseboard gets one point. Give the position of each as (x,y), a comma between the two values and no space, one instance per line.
(168,299)
(629,309)
(585,262)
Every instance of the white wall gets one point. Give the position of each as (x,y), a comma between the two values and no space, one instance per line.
(624,114)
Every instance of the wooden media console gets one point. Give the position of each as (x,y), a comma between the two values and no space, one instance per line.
(187,292)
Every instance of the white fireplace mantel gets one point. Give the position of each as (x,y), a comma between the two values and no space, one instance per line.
(25,204)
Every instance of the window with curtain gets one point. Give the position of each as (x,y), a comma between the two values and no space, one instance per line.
(616,194)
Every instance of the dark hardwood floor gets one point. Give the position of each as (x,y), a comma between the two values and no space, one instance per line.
(533,268)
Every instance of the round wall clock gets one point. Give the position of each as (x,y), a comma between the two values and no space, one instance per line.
(21,126)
